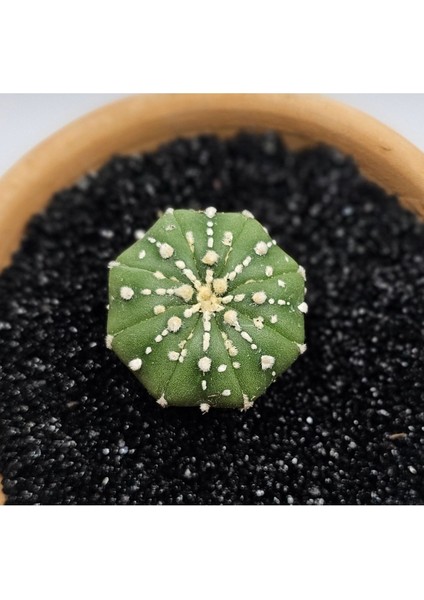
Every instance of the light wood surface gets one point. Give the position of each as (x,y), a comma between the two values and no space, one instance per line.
(2,496)
(143,122)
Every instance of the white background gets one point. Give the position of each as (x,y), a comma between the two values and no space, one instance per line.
(26,119)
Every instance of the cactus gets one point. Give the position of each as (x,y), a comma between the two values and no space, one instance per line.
(206,309)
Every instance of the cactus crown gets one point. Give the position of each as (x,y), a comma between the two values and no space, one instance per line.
(206,309)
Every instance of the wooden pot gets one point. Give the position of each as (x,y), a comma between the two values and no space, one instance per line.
(140,123)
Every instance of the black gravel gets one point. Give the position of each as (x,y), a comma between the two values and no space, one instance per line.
(343,426)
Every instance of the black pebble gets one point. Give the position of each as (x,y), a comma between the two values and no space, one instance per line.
(343,426)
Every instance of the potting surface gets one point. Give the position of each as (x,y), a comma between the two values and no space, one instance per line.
(345,425)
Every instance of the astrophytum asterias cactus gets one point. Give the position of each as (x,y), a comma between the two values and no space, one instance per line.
(206,309)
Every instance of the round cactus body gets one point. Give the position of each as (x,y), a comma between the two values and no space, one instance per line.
(206,309)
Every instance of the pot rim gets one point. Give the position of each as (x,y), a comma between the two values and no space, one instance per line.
(142,122)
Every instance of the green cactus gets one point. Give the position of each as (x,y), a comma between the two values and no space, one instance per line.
(206,309)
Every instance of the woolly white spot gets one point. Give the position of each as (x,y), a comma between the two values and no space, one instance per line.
(109,340)
(254,346)
(146,292)
(169,211)
(267,362)
(220,285)
(274,319)
(190,275)
(236,365)
(302,348)
(159,275)
(247,214)
(227,239)
(206,341)
(247,261)
(158,309)
(259,322)
(204,384)
(188,313)
(113,263)
(209,231)
(231,349)
(239,297)
(135,364)
(227,299)
(226,392)
(246,402)
(246,336)
(204,364)
(170,227)
(142,254)
(139,234)
(302,272)
(174,324)
(269,271)
(259,297)
(166,251)
(204,407)
(158,338)
(230,317)
(210,258)
(209,276)
(222,368)
(152,240)
(161,291)
(281,302)
(271,301)
(180,264)
(185,292)
(261,248)
(174,356)
(210,212)
(210,242)
(126,292)
(162,402)
(303,307)
(190,239)
(238,269)
(281,283)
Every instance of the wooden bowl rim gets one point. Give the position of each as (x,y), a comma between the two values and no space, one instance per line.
(142,122)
